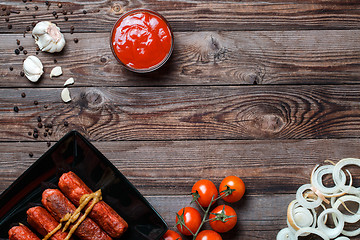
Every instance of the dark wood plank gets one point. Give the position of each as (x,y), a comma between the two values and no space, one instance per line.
(174,113)
(185,15)
(172,167)
(200,58)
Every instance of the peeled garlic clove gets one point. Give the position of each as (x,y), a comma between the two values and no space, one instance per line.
(55,72)
(48,37)
(65,95)
(33,68)
(70,81)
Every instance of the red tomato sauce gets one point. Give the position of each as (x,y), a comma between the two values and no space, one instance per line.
(142,40)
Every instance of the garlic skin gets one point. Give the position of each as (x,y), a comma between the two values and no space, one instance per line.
(48,37)
(33,68)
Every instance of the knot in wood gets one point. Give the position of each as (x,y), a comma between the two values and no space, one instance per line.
(92,98)
(262,120)
(117,9)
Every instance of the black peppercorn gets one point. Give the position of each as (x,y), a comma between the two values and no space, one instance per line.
(11,68)
(40,125)
(66,123)
(45,134)
(35,130)
(102,59)
(76,40)
(55,61)
(7,19)
(16,109)
(23,94)
(29,133)
(59,5)
(36,8)
(66,18)
(25,52)
(17,41)
(39,119)
(9,26)
(3,8)
(54,13)
(22,74)
(48,144)
(28,28)
(36,102)
(21,48)
(26,8)
(84,12)
(35,135)
(47,3)
(31,154)
(17,51)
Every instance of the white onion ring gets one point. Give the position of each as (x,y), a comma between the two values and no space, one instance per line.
(304,202)
(285,234)
(317,182)
(336,173)
(299,217)
(342,238)
(312,230)
(351,233)
(349,218)
(339,222)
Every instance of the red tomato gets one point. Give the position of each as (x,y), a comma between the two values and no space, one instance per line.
(171,235)
(234,185)
(208,235)
(223,218)
(204,190)
(190,217)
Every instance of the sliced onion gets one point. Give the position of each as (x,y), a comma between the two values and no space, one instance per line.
(351,233)
(302,216)
(311,230)
(317,180)
(338,221)
(299,217)
(337,169)
(342,238)
(307,202)
(285,234)
(353,218)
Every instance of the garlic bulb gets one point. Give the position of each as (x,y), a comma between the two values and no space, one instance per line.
(48,37)
(33,68)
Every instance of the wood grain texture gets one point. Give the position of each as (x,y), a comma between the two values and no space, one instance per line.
(185,15)
(172,167)
(174,113)
(200,58)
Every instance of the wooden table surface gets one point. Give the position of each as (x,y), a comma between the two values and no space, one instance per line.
(261,90)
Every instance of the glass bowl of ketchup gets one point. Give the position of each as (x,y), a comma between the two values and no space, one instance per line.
(142,40)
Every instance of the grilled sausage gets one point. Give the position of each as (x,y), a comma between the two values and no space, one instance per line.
(58,206)
(42,221)
(21,232)
(106,217)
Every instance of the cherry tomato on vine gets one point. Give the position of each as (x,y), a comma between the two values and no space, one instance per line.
(223,218)
(171,235)
(208,235)
(189,217)
(203,191)
(232,189)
